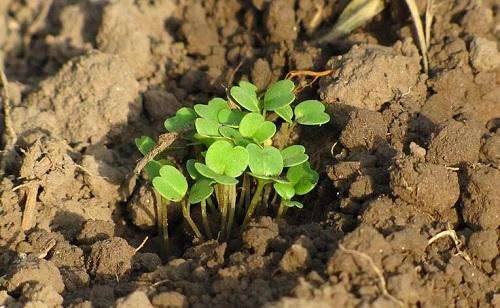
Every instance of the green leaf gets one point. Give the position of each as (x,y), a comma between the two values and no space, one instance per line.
(207,127)
(302,171)
(171,184)
(193,173)
(285,190)
(268,178)
(254,125)
(304,186)
(291,203)
(294,155)
(311,112)
(212,109)
(145,144)
(225,159)
(265,161)
(248,86)
(285,112)
(152,169)
(303,177)
(279,95)
(182,119)
(230,117)
(200,191)
(246,97)
(209,173)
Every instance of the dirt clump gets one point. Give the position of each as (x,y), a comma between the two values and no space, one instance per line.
(280,21)
(456,143)
(110,258)
(170,299)
(94,231)
(134,299)
(39,294)
(481,199)
(433,189)
(368,76)
(39,270)
(106,97)
(259,233)
(484,54)
(364,129)
(482,245)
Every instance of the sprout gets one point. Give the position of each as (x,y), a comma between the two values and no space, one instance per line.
(234,168)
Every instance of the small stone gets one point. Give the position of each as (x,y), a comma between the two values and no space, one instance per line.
(135,299)
(170,300)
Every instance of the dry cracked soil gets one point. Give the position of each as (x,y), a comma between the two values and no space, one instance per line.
(408,155)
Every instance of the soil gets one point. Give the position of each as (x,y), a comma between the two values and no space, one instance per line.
(407,155)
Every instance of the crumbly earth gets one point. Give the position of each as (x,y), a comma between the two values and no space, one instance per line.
(407,155)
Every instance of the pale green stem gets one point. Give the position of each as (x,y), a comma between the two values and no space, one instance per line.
(206,222)
(186,211)
(265,197)
(221,195)
(256,199)
(282,209)
(162,218)
(231,204)
(245,187)
(212,206)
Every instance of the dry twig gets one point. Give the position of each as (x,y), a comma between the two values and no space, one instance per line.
(9,136)
(142,244)
(31,191)
(376,269)
(306,74)
(421,38)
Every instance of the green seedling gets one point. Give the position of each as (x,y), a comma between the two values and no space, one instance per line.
(235,168)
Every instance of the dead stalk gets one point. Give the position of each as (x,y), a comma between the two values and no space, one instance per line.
(30,205)
(9,136)
(142,244)
(415,15)
(376,269)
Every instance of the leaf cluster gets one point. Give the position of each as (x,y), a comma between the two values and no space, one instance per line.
(234,152)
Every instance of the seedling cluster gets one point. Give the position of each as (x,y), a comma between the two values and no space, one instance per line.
(235,167)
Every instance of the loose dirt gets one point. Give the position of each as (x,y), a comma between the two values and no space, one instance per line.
(406,156)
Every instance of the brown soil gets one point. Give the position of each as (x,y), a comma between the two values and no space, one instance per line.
(406,156)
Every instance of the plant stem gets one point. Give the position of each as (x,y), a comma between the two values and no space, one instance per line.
(282,209)
(212,206)
(221,194)
(265,197)
(231,203)
(186,211)
(206,223)
(245,187)
(162,219)
(257,197)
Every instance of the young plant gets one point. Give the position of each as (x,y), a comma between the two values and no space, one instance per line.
(235,167)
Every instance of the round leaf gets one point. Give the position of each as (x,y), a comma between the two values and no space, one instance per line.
(248,85)
(145,144)
(311,112)
(209,173)
(171,184)
(212,109)
(304,186)
(207,127)
(294,155)
(246,98)
(285,190)
(182,119)
(253,125)
(285,112)
(302,172)
(193,173)
(279,95)
(230,117)
(265,161)
(223,158)
(200,191)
